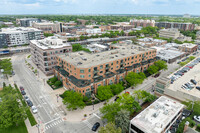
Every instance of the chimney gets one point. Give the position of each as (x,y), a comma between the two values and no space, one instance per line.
(186,127)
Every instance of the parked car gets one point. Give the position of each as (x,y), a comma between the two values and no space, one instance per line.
(26,98)
(30,104)
(191,84)
(193,81)
(178,62)
(197,118)
(23,92)
(186,112)
(198,87)
(189,66)
(34,109)
(95,126)
(21,88)
(184,87)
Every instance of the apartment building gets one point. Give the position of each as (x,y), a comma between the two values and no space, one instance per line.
(149,42)
(169,33)
(49,27)
(180,26)
(121,27)
(157,117)
(188,48)
(142,23)
(44,52)
(19,36)
(84,72)
(27,22)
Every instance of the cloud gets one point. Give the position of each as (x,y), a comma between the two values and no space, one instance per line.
(66,1)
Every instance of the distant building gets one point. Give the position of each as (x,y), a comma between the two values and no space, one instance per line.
(44,52)
(198,35)
(186,15)
(142,23)
(19,36)
(149,42)
(180,26)
(93,31)
(49,27)
(9,24)
(169,33)
(188,47)
(28,22)
(157,117)
(70,23)
(98,47)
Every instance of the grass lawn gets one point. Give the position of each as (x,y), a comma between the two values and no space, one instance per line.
(15,129)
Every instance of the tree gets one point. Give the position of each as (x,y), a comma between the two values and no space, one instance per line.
(58,83)
(152,69)
(6,65)
(128,103)
(161,65)
(144,96)
(104,92)
(116,88)
(122,120)
(135,78)
(110,111)
(73,100)
(78,47)
(48,34)
(110,128)
(53,80)
(12,112)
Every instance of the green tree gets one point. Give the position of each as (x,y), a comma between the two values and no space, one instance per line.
(134,78)
(128,103)
(161,65)
(12,112)
(73,100)
(110,111)
(152,69)
(6,65)
(58,83)
(110,128)
(53,80)
(122,120)
(78,47)
(104,92)
(48,34)
(116,88)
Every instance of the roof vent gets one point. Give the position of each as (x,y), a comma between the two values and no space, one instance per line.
(79,63)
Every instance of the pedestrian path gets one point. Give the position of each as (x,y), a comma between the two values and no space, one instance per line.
(53,123)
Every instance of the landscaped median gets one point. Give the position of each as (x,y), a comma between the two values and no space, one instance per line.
(54,83)
(28,112)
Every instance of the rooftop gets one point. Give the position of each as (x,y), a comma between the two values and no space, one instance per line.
(156,117)
(83,59)
(50,43)
(188,45)
(18,29)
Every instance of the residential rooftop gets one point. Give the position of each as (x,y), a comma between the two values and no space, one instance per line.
(18,29)
(50,43)
(156,117)
(83,59)
(188,45)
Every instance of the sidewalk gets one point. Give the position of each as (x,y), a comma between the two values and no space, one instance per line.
(31,129)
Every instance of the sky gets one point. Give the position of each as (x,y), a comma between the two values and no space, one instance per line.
(176,7)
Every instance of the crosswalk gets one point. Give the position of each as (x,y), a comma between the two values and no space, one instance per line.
(53,123)
(88,124)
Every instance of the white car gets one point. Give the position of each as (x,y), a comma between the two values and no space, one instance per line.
(34,109)
(191,84)
(197,118)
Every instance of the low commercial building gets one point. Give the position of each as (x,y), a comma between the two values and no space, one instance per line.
(98,47)
(49,27)
(84,72)
(188,48)
(157,117)
(19,36)
(44,52)
(14,50)
(28,22)
(149,42)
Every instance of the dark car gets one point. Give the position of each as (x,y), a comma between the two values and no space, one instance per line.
(95,126)
(186,112)
(23,92)
(30,104)
(179,62)
(193,81)
(21,88)
(198,87)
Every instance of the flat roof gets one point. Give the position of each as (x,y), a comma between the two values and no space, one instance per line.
(50,43)
(156,117)
(188,45)
(18,29)
(169,54)
(193,73)
(83,59)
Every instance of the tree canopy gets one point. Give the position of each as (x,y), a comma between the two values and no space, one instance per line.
(135,78)
(78,47)
(6,64)
(104,92)
(110,128)
(122,120)
(73,100)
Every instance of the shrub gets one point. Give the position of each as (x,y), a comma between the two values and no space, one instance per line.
(198,128)
(96,101)
(192,123)
(53,80)
(58,83)
(85,98)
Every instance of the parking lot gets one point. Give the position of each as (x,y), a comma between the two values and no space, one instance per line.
(181,78)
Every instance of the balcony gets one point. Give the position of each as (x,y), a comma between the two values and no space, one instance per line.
(61,71)
(119,71)
(128,68)
(95,71)
(107,67)
(97,78)
(109,74)
(144,62)
(137,65)
(79,82)
(150,60)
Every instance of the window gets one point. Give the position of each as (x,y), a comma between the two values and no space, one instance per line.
(128,58)
(117,62)
(81,71)
(89,75)
(136,129)
(117,67)
(132,58)
(89,70)
(112,63)
(125,59)
(101,71)
(111,68)
(74,68)
(135,56)
(132,62)
(101,66)
(82,76)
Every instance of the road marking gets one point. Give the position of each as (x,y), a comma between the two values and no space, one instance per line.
(97,116)
(88,124)
(52,120)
